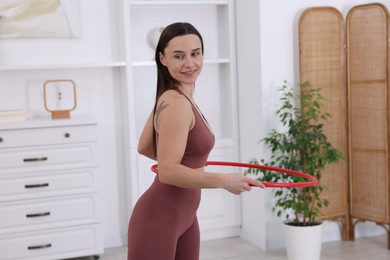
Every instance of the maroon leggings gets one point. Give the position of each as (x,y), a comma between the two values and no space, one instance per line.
(163,225)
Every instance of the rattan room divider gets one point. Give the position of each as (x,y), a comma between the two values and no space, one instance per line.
(321,44)
(351,66)
(368,113)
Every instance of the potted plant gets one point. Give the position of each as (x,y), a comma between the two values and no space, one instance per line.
(301,146)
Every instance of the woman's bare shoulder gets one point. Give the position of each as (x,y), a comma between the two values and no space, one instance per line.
(173,109)
(173,98)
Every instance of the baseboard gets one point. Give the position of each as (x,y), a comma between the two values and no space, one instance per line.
(110,242)
(206,234)
(219,233)
(331,233)
(253,238)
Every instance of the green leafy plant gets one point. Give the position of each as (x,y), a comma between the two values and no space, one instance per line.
(303,146)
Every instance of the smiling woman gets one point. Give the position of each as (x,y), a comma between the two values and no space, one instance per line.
(39,18)
(164,223)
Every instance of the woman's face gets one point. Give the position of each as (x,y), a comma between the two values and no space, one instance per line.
(183,58)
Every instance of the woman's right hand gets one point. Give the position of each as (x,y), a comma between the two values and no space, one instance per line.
(237,183)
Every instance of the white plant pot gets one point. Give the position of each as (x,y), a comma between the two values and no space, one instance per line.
(303,243)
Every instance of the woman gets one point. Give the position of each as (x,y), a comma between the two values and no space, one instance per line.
(163,225)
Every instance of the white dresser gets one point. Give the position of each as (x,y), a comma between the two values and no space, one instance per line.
(50,189)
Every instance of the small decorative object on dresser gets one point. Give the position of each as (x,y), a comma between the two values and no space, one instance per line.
(50,189)
(60,97)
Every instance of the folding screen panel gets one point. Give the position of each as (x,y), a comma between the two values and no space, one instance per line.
(368,109)
(321,45)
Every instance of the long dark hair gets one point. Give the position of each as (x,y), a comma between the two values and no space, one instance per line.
(164,79)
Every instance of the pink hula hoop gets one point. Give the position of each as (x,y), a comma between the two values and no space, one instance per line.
(311,180)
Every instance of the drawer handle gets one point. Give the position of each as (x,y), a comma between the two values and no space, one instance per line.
(39,247)
(41,185)
(39,159)
(67,135)
(36,215)
(1,139)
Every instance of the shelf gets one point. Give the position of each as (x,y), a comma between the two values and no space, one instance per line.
(47,121)
(64,66)
(152,62)
(176,3)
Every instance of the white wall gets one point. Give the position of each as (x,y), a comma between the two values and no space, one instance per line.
(95,43)
(271,26)
(250,112)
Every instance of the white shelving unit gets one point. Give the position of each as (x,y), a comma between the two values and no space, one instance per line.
(216,94)
(113,64)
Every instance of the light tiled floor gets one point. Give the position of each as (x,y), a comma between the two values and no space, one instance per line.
(369,248)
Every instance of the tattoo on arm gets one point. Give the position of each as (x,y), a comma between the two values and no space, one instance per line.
(160,108)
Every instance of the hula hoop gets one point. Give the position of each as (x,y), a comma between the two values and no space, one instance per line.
(311,180)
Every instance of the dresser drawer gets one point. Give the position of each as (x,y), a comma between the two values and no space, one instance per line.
(48,136)
(52,244)
(50,213)
(36,185)
(62,156)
